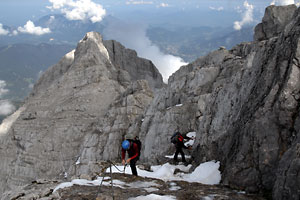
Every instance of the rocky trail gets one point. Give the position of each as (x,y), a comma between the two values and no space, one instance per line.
(126,186)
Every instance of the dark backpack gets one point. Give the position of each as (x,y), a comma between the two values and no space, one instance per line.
(139,144)
(176,137)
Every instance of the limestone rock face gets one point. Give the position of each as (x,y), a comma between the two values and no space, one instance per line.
(244,105)
(77,114)
(274,21)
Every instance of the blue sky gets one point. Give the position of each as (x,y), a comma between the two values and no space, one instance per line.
(18,12)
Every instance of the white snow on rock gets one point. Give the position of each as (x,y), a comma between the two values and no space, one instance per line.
(205,173)
(179,156)
(190,142)
(153,197)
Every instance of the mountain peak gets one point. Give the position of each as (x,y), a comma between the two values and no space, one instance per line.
(91,47)
(274,21)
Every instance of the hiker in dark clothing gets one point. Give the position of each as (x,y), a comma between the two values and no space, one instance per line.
(178,140)
(133,154)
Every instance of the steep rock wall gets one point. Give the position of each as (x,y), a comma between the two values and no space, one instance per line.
(244,105)
(80,109)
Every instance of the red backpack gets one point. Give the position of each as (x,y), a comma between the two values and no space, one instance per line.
(176,137)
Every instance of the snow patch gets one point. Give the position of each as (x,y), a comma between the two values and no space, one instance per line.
(78,161)
(190,142)
(174,187)
(205,173)
(148,186)
(179,156)
(153,197)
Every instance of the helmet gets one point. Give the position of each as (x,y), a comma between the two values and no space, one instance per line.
(125,144)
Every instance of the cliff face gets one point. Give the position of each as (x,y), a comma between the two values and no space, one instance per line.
(79,109)
(243,103)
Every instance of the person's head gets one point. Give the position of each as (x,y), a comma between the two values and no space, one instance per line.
(125,144)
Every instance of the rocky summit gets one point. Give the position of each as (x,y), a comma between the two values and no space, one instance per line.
(243,104)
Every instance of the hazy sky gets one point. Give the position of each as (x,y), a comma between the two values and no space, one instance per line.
(18,12)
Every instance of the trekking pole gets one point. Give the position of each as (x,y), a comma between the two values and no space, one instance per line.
(125,167)
(111,178)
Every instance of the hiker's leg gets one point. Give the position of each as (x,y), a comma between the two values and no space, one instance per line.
(182,155)
(133,167)
(176,153)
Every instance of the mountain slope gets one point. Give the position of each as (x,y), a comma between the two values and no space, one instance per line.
(243,104)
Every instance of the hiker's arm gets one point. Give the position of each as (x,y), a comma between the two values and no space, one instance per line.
(123,156)
(136,149)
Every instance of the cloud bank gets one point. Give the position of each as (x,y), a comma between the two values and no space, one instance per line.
(30,28)
(133,36)
(247,17)
(3,91)
(132,2)
(163,5)
(216,8)
(6,107)
(3,31)
(282,2)
(79,10)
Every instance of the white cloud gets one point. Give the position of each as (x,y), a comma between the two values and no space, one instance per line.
(3,31)
(30,28)
(164,5)
(134,36)
(6,107)
(79,10)
(215,8)
(52,18)
(282,2)
(15,32)
(247,17)
(139,2)
(3,91)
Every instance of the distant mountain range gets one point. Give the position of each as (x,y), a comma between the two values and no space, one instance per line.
(191,42)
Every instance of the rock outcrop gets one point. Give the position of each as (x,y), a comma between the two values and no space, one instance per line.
(243,103)
(274,21)
(80,109)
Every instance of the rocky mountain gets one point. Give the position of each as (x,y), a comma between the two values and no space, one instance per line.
(21,65)
(243,104)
